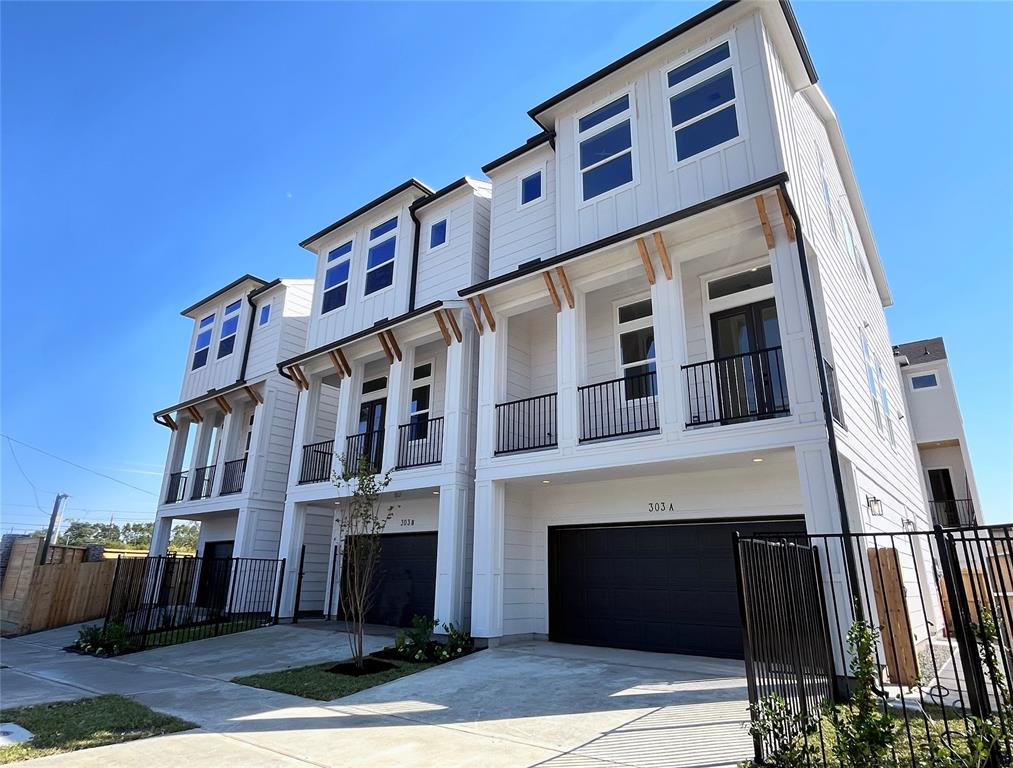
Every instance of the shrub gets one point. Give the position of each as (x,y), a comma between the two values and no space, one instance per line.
(417,643)
(110,640)
(787,734)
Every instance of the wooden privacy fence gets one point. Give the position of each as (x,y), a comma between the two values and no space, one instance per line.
(63,591)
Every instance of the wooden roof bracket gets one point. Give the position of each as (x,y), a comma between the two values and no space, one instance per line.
(454,326)
(223,403)
(552,292)
(300,378)
(666,263)
(475,316)
(194,414)
(645,257)
(337,364)
(487,311)
(166,420)
(768,233)
(789,222)
(395,347)
(565,282)
(386,348)
(255,396)
(443,327)
(344,362)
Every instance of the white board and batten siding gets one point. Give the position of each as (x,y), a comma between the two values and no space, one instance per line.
(519,234)
(217,372)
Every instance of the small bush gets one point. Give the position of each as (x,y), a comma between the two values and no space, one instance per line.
(417,644)
(110,640)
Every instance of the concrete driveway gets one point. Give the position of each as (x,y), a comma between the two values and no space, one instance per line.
(530,704)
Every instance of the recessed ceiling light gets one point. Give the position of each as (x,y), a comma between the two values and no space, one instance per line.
(436,493)
(546,482)
(754,269)
(757,460)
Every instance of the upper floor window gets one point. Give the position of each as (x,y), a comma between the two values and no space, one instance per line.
(422,380)
(380,256)
(531,188)
(870,376)
(849,241)
(227,340)
(884,397)
(203,343)
(265,314)
(826,194)
(438,234)
(924,381)
(702,103)
(336,278)
(635,340)
(605,139)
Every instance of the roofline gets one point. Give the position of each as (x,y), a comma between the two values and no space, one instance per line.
(535,141)
(264,288)
(375,328)
(704,16)
(628,234)
(237,384)
(220,291)
(453,186)
(403,187)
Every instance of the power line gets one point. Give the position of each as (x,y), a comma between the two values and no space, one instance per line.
(73,464)
(35,491)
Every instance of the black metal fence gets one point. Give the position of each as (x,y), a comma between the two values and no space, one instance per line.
(167,600)
(936,611)
(420,443)
(233,474)
(524,425)
(953,513)
(626,406)
(203,482)
(366,446)
(737,388)
(176,491)
(316,462)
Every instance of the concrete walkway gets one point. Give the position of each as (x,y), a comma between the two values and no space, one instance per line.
(530,704)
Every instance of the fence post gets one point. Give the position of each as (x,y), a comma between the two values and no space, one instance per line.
(298,584)
(281,585)
(747,647)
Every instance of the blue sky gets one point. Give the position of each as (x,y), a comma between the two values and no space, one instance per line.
(152,152)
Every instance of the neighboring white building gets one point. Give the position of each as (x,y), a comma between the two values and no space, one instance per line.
(388,376)
(227,465)
(938,431)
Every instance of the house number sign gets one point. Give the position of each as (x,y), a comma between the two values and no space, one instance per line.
(407,522)
(660,506)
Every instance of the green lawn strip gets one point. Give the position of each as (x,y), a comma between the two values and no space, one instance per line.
(66,726)
(315,682)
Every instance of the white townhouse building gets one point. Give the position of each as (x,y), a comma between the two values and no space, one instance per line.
(938,430)
(388,375)
(682,335)
(231,432)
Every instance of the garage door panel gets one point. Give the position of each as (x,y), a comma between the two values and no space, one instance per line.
(669,588)
(405,580)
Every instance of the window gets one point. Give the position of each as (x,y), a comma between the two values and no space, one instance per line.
(265,314)
(635,340)
(380,257)
(438,234)
(870,376)
(227,339)
(741,281)
(924,381)
(422,379)
(531,188)
(826,194)
(374,385)
(849,241)
(701,103)
(203,343)
(605,139)
(884,397)
(336,278)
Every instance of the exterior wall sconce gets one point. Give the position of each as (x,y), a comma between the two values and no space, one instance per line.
(875,506)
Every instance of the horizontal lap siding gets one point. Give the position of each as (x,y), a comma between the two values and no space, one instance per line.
(518,236)
(444,271)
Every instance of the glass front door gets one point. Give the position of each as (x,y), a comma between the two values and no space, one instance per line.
(371,419)
(748,366)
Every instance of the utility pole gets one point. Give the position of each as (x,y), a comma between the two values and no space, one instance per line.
(53,525)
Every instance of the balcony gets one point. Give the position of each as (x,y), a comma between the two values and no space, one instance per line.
(203,482)
(620,407)
(526,425)
(316,462)
(953,513)
(364,449)
(232,477)
(730,390)
(420,443)
(177,488)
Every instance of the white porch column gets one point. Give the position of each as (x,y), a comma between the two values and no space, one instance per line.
(292,533)
(302,415)
(398,386)
(450,548)
(348,400)
(669,349)
(489,389)
(226,442)
(570,370)
(487,582)
(160,536)
(458,402)
(174,455)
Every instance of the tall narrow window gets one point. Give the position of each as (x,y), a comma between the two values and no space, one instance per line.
(701,103)
(230,326)
(884,397)
(422,380)
(826,194)
(265,314)
(849,242)
(870,375)
(635,337)
(606,148)
(438,234)
(336,278)
(203,342)
(380,257)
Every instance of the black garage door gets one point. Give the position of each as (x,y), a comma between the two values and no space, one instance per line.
(668,588)
(405,580)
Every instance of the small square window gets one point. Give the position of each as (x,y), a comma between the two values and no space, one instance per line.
(531,188)
(265,314)
(438,234)
(924,381)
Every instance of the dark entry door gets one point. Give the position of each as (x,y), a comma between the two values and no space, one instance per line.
(372,414)
(943,497)
(749,369)
(215,572)
(668,588)
(404,584)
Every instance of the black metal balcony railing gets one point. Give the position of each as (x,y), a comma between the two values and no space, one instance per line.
(737,388)
(420,443)
(953,513)
(233,475)
(524,425)
(626,406)
(177,488)
(316,462)
(203,481)
(366,446)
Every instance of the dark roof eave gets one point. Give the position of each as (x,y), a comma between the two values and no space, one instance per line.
(237,384)
(264,288)
(451,187)
(331,345)
(403,187)
(535,141)
(220,291)
(641,229)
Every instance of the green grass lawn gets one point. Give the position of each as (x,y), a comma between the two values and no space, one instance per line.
(69,725)
(315,682)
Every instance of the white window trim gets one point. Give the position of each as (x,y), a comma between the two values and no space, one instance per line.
(732,300)
(631,115)
(396,234)
(934,373)
(825,188)
(328,264)
(872,379)
(640,323)
(531,170)
(446,239)
(260,314)
(378,394)
(884,402)
(732,62)
(221,327)
(212,327)
(427,381)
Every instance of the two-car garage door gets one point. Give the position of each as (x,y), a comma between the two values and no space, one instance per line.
(651,587)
